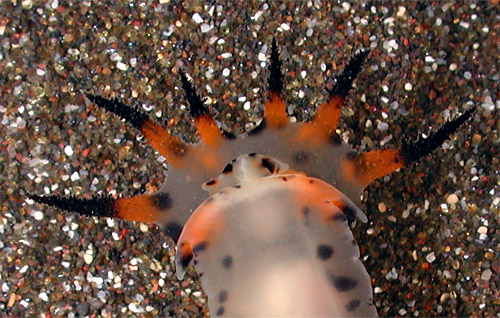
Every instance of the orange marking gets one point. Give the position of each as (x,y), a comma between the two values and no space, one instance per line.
(317,194)
(170,147)
(275,111)
(209,131)
(372,165)
(140,208)
(204,226)
(324,123)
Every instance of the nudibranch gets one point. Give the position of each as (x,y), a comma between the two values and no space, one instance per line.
(264,216)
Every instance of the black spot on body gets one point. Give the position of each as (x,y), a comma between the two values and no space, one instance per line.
(179,149)
(301,157)
(222,296)
(173,229)
(335,139)
(268,164)
(338,217)
(324,252)
(227,262)
(349,212)
(306,211)
(252,154)
(220,311)
(228,168)
(284,179)
(351,155)
(342,283)
(237,186)
(162,201)
(352,305)
(200,247)
(185,259)
(211,182)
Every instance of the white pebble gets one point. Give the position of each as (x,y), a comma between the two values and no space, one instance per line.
(382,126)
(43,296)
(115,57)
(486,275)
(68,151)
(197,18)
(401,11)
(226,72)
(285,27)
(431,257)
(408,86)
(143,227)
(488,103)
(496,201)
(135,308)
(87,258)
(429,59)
(205,28)
(75,176)
(38,215)
(121,66)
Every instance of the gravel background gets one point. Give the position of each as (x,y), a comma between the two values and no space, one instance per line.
(432,243)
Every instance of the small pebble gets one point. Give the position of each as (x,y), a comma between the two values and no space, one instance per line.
(382,207)
(452,199)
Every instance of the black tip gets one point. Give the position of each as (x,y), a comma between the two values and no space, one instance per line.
(414,151)
(97,206)
(196,106)
(275,80)
(131,115)
(343,82)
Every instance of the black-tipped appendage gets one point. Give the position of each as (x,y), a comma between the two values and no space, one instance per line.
(131,115)
(196,106)
(97,206)
(343,82)
(413,151)
(275,80)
